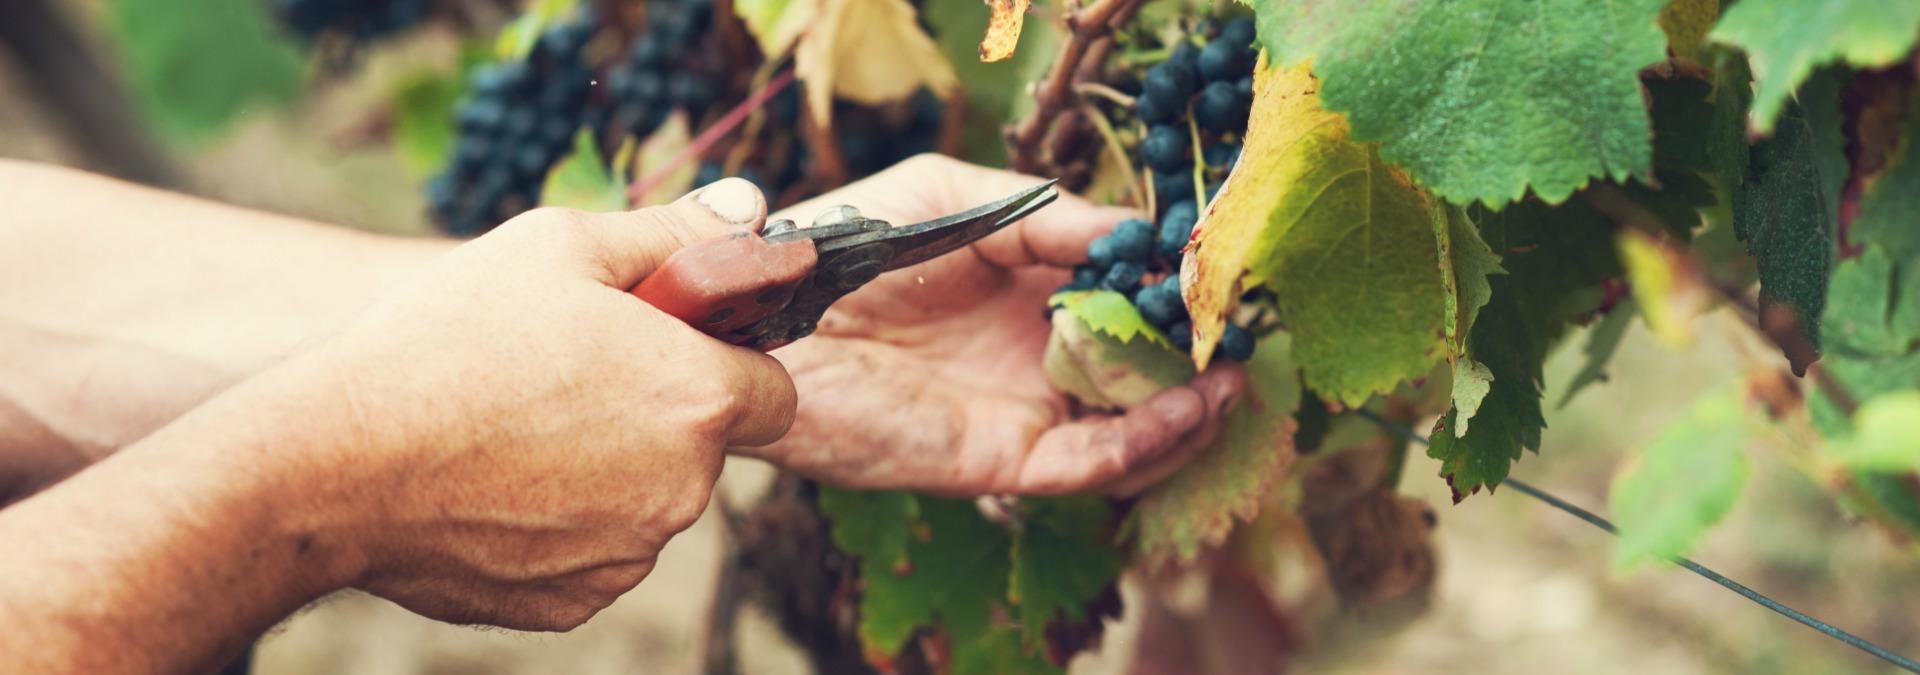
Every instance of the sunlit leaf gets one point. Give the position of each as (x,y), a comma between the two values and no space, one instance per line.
(1682,482)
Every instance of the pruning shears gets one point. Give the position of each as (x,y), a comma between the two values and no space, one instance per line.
(766,290)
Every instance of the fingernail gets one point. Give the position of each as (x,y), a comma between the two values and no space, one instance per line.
(732,199)
(1181,411)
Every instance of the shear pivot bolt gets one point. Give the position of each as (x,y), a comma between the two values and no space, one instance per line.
(836,216)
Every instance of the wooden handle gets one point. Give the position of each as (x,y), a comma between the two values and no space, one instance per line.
(721,285)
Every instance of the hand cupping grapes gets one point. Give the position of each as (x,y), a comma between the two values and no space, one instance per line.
(1215,83)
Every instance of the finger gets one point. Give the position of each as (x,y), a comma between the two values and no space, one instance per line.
(929,186)
(1146,444)
(1055,235)
(632,244)
(760,393)
(1221,387)
(1093,451)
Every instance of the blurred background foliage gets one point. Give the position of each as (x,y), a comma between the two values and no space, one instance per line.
(212,97)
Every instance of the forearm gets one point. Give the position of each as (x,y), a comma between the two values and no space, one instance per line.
(171,555)
(122,307)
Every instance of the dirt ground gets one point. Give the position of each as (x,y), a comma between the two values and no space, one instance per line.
(1521,589)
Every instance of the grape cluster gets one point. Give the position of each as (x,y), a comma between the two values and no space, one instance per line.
(1211,89)
(356,20)
(655,77)
(869,139)
(517,120)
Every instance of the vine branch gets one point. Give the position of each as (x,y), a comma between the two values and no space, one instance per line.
(1054,97)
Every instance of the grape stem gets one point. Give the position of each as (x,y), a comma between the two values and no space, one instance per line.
(1103,91)
(709,136)
(1055,94)
(1119,151)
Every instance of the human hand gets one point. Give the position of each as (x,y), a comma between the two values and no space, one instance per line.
(512,439)
(929,377)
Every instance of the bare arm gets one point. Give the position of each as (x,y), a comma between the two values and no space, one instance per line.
(121,307)
(509,438)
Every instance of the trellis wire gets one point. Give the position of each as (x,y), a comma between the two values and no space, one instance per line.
(1758,598)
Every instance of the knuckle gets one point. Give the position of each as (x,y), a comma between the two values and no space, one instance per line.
(684,507)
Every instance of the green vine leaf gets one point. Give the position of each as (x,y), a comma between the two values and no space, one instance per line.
(1788,39)
(1111,313)
(1345,242)
(1682,482)
(1602,340)
(1480,100)
(1890,201)
(931,563)
(1198,505)
(876,526)
(1885,435)
(1555,259)
(1061,561)
(197,65)
(1788,209)
(1465,264)
(584,181)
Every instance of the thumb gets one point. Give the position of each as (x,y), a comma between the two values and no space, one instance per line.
(634,243)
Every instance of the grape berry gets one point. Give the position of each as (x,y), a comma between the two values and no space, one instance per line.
(1215,82)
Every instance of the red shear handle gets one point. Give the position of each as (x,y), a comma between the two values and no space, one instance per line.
(720,285)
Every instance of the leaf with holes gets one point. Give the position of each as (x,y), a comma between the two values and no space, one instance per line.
(1480,100)
(1003,30)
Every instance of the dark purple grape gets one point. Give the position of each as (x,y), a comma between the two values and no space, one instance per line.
(1172,83)
(1181,335)
(1124,277)
(1160,304)
(1170,187)
(1238,32)
(1131,240)
(1165,148)
(1219,109)
(1152,111)
(1236,344)
(1100,253)
(1176,227)
(1222,61)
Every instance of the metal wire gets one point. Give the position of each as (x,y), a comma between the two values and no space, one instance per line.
(1594,519)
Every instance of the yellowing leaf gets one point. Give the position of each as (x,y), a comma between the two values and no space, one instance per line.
(868,51)
(1344,240)
(662,146)
(1227,481)
(776,24)
(1003,30)
(1686,23)
(1666,285)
